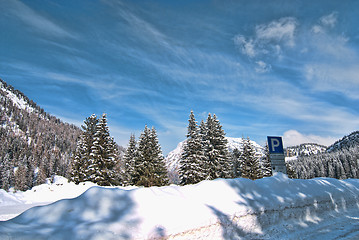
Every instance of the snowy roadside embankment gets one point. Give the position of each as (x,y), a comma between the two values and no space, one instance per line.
(219,209)
(15,202)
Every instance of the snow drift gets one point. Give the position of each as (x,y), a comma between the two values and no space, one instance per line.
(218,209)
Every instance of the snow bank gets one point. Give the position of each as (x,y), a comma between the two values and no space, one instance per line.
(57,189)
(13,203)
(219,209)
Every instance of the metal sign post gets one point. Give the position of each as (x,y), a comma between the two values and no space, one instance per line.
(276,154)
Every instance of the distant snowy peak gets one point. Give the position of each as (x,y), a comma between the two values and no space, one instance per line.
(305,149)
(237,143)
(349,141)
(172,159)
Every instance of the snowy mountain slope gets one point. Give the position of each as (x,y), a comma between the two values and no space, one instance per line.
(351,140)
(31,140)
(234,143)
(305,149)
(269,208)
(172,159)
(17,98)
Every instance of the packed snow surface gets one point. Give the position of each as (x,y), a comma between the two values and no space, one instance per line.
(269,208)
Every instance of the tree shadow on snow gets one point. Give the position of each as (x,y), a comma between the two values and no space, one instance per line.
(99,213)
(230,230)
(266,209)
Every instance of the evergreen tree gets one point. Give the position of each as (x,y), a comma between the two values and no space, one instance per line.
(129,161)
(142,157)
(6,172)
(216,152)
(250,165)
(192,156)
(103,156)
(221,146)
(150,167)
(161,176)
(40,176)
(266,163)
(21,178)
(290,171)
(236,163)
(204,140)
(80,164)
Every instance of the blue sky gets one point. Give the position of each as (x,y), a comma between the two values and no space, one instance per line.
(287,68)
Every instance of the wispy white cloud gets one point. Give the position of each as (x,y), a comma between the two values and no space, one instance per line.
(326,22)
(262,67)
(281,30)
(329,20)
(37,21)
(268,41)
(332,64)
(270,97)
(246,46)
(332,77)
(293,138)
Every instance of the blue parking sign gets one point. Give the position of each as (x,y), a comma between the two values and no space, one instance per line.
(275,145)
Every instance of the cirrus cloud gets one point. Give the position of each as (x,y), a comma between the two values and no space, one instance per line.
(268,41)
(325,22)
(293,137)
(278,31)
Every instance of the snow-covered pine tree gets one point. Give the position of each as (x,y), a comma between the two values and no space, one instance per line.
(6,172)
(192,157)
(142,157)
(113,163)
(150,168)
(250,165)
(290,171)
(206,130)
(266,163)
(103,156)
(129,162)
(236,163)
(80,163)
(161,175)
(216,151)
(89,129)
(205,166)
(21,178)
(40,175)
(221,146)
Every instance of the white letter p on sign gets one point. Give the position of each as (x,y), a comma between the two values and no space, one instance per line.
(274,143)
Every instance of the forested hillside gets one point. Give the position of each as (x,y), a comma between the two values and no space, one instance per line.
(347,142)
(305,149)
(340,161)
(34,144)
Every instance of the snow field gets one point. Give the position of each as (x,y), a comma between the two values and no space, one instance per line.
(218,209)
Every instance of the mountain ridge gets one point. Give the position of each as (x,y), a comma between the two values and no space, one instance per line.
(347,142)
(35,145)
(305,149)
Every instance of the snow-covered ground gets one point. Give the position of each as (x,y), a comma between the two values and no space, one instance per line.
(13,203)
(269,208)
